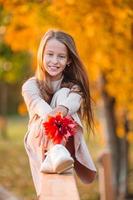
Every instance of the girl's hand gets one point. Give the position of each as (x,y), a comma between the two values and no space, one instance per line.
(45,142)
(62,109)
(42,138)
(42,141)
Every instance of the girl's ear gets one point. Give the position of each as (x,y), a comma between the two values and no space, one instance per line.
(69,63)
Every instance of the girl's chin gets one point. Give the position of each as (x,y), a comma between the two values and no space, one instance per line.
(55,75)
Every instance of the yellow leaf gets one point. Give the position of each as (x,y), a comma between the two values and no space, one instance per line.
(130,137)
(22,110)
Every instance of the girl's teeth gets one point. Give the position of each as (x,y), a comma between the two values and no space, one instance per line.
(54,67)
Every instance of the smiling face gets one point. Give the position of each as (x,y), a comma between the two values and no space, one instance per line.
(55,58)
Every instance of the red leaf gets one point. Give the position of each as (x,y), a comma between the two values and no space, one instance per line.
(58,128)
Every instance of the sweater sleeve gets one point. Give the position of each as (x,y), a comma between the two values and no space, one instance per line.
(72,102)
(35,104)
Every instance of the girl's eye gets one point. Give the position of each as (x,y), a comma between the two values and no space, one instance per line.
(49,54)
(61,56)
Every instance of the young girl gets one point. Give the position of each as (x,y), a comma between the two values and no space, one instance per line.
(60,85)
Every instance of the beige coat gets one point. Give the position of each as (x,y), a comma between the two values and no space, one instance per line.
(38,110)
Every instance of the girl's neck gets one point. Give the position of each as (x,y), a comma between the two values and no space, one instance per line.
(56,79)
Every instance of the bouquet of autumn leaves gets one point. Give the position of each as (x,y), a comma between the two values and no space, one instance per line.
(58,128)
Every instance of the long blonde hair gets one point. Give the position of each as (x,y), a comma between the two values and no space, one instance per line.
(74,74)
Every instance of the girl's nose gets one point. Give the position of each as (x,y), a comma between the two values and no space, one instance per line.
(54,59)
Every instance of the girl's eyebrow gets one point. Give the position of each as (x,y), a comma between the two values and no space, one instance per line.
(48,50)
(61,53)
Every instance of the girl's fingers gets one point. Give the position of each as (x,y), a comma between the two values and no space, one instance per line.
(40,138)
(64,142)
(37,135)
(43,153)
(44,148)
(42,141)
(46,140)
(40,135)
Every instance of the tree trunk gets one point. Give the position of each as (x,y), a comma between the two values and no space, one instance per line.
(123,186)
(117,146)
(3,110)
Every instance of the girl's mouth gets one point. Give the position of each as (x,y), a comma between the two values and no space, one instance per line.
(53,67)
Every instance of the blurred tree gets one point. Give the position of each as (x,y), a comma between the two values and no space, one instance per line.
(14,66)
(28,21)
(14,69)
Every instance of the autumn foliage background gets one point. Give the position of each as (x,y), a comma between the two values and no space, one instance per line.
(103,32)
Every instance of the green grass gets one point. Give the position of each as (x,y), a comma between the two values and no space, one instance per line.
(15,171)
